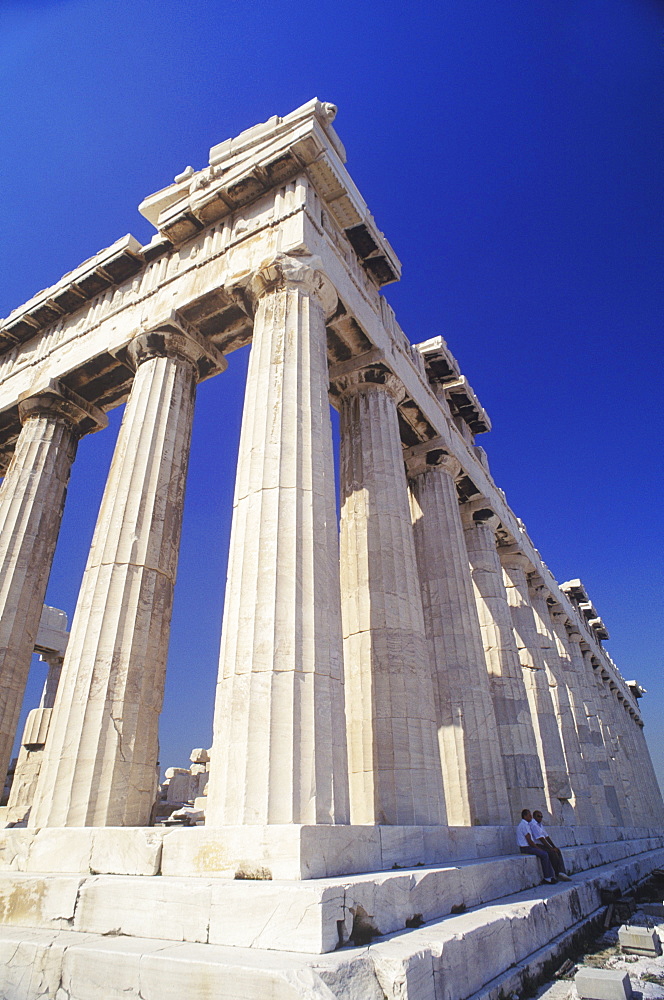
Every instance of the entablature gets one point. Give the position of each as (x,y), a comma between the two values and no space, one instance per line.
(443,369)
(242,169)
(108,268)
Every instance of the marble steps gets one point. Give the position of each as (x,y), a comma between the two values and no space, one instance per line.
(312,916)
(500,948)
(476,954)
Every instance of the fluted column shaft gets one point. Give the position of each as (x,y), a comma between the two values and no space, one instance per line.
(557,783)
(559,669)
(52,680)
(279,751)
(473,773)
(32,499)
(394,761)
(100,760)
(613,745)
(516,736)
(638,764)
(656,805)
(584,700)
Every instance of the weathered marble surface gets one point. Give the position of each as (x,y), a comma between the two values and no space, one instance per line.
(99,766)
(272,241)
(32,499)
(473,773)
(514,723)
(547,732)
(394,758)
(279,750)
(554,657)
(438,961)
(299,916)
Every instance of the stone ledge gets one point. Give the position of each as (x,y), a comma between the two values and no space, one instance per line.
(83,850)
(278,852)
(306,852)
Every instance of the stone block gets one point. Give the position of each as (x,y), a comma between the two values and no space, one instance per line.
(653,910)
(107,967)
(14,849)
(639,940)
(60,849)
(178,788)
(402,845)
(126,851)
(288,851)
(173,909)
(31,962)
(602,984)
(223,852)
(45,901)
(340,850)
(301,917)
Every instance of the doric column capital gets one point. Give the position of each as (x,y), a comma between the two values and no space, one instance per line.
(63,404)
(512,558)
(175,338)
(431,455)
(535,580)
(573,633)
(478,513)
(375,378)
(287,271)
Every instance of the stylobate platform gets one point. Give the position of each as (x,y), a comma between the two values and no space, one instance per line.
(270,852)
(64,937)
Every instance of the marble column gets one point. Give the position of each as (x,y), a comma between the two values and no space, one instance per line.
(601,781)
(32,499)
(473,773)
(279,749)
(52,681)
(655,795)
(516,742)
(99,765)
(394,760)
(637,764)
(557,785)
(33,741)
(612,744)
(559,668)
(632,777)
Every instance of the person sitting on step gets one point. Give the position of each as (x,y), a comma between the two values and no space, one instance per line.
(527,845)
(542,839)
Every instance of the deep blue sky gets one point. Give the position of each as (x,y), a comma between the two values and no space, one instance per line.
(511,150)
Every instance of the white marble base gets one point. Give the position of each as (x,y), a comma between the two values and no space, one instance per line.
(86,850)
(310,916)
(488,951)
(274,852)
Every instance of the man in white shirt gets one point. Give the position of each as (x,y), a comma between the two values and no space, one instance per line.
(542,839)
(527,845)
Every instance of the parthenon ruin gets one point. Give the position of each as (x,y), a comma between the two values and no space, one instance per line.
(393,689)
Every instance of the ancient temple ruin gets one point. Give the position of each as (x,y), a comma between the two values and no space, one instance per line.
(392,690)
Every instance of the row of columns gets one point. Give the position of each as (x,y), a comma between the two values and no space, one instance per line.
(464,697)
